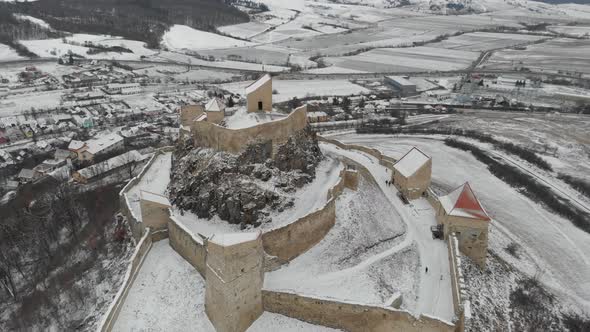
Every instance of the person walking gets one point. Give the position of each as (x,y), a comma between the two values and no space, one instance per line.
(427,269)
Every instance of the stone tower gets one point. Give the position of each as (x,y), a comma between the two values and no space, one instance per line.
(234,278)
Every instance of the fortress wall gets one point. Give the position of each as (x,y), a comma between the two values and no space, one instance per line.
(136,226)
(349,316)
(192,248)
(141,251)
(383,159)
(206,134)
(457,280)
(296,238)
(292,240)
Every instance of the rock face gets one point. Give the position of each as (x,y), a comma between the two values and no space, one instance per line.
(242,189)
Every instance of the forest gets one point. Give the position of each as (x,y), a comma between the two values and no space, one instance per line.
(144,20)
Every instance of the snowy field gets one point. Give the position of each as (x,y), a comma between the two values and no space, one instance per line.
(154,180)
(287,89)
(483,41)
(245,30)
(17,104)
(552,244)
(417,59)
(573,30)
(562,140)
(558,54)
(53,48)
(311,197)
(182,37)
(8,54)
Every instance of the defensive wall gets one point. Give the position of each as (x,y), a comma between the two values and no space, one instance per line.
(457,281)
(193,248)
(210,135)
(137,227)
(383,159)
(349,316)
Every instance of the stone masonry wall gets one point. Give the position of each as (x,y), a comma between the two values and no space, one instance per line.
(349,316)
(233,281)
(192,248)
(141,251)
(210,135)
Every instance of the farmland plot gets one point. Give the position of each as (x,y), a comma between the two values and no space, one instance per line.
(483,41)
(406,60)
(556,55)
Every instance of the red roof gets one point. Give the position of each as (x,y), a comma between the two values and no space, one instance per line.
(463,203)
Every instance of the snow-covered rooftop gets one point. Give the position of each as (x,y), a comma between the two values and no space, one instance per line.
(260,82)
(401,80)
(462,202)
(411,162)
(110,164)
(76,145)
(98,144)
(215,105)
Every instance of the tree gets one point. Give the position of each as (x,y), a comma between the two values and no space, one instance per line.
(230,101)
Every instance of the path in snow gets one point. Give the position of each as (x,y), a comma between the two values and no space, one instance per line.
(434,294)
(554,244)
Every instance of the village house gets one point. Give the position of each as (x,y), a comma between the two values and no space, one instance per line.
(47,167)
(411,173)
(108,167)
(259,95)
(26,175)
(87,151)
(313,117)
(460,212)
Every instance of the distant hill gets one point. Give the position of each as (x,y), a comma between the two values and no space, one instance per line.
(558,2)
(144,20)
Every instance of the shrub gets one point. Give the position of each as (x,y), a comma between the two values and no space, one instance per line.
(513,249)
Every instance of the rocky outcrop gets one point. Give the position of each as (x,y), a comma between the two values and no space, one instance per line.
(243,189)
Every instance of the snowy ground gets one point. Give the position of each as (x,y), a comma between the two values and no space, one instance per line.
(8,54)
(53,48)
(552,244)
(155,180)
(242,119)
(306,200)
(167,295)
(363,258)
(182,37)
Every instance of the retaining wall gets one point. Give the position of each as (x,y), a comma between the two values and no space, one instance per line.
(141,251)
(206,134)
(349,316)
(191,247)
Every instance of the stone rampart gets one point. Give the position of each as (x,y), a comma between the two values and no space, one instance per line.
(292,240)
(209,135)
(192,248)
(350,316)
(141,251)
(383,159)
(136,226)
(457,280)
